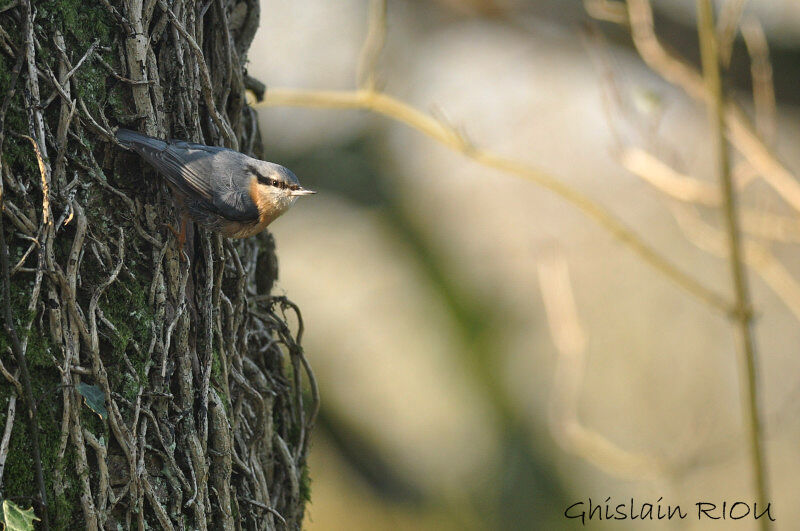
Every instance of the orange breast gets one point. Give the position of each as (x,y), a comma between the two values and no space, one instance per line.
(237,229)
(266,214)
(262,203)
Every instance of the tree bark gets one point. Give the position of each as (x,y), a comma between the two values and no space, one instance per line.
(144,386)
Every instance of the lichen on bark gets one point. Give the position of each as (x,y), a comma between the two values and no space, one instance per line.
(209,398)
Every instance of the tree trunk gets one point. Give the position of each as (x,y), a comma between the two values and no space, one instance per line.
(143,386)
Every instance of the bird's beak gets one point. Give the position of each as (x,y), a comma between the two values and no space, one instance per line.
(302,191)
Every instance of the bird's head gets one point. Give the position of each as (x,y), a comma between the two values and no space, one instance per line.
(278,187)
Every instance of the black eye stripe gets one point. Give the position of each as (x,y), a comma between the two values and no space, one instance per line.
(269,181)
(263,179)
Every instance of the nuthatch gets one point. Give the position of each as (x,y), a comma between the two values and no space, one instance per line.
(221,189)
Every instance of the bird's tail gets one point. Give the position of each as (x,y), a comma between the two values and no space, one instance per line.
(139,142)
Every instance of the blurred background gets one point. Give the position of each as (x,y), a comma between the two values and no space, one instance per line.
(487,355)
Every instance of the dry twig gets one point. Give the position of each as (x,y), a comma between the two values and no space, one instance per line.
(744,313)
(570,341)
(386,105)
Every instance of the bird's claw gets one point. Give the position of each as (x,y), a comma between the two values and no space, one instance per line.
(180,235)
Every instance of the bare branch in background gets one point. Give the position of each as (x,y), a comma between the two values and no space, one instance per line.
(729,124)
(727,27)
(386,105)
(743,316)
(570,341)
(712,240)
(739,131)
(761,73)
(372,47)
(608,10)
(665,179)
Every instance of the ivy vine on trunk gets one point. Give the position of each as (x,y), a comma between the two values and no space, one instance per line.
(143,386)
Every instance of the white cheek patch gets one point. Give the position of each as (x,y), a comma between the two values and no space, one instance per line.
(282,200)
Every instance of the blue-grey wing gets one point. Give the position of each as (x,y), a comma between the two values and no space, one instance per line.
(188,167)
(233,201)
(213,179)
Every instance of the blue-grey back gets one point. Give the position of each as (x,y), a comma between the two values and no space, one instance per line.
(217,176)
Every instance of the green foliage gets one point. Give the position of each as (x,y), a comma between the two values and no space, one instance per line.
(94,397)
(83,22)
(305,483)
(16,152)
(39,348)
(19,478)
(126,303)
(216,364)
(17,519)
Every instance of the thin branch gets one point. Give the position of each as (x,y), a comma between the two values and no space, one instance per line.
(265,507)
(116,75)
(608,10)
(712,240)
(11,378)
(69,74)
(256,87)
(386,105)
(667,180)
(740,131)
(761,73)
(727,26)
(570,341)
(373,45)
(205,78)
(686,189)
(4,444)
(743,314)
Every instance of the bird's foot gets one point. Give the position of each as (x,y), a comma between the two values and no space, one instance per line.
(180,235)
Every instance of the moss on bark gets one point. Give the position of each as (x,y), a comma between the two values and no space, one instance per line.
(208,425)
